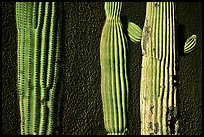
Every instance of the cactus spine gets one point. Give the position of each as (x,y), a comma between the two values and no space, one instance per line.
(38,26)
(114,82)
(158,92)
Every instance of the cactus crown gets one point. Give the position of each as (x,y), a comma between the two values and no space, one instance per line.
(113,9)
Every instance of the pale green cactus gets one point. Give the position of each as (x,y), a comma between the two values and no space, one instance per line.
(134,32)
(114,82)
(158,108)
(38,26)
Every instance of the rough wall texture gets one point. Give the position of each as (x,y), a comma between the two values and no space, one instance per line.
(81,111)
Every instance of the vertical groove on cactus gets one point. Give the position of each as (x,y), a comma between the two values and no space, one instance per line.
(113,80)
(166,67)
(158,91)
(163,64)
(38,62)
(157,75)
(43,70)
(51,68)
(159,71)
(37,16)
(114,88)
(35,69)
(116,82)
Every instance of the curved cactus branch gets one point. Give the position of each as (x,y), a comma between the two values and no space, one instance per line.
(114,82)
(134,32)
(190,44)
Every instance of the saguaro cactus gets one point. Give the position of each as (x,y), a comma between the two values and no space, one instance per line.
(158,93)
(38,26)
(114,82)
(158,109)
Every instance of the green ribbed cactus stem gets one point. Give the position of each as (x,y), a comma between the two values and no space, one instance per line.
(114,82)
(38,26)
(158,92)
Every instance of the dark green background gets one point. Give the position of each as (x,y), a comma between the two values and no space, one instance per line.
(81,110)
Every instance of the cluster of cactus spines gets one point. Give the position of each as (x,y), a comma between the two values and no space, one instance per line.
(114,82)
(38,26)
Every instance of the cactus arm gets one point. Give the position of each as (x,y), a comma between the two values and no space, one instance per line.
(134,32)
(114,88)
(190,44)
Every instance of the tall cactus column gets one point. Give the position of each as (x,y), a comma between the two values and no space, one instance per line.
(158,92)
(114,83)
(38,26)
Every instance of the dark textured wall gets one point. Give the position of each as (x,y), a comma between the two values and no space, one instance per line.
(81,110)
